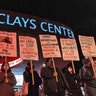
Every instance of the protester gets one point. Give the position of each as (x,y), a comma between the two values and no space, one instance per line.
(73,80)
(52,86)
(88,78)
(7,81)
(33,89)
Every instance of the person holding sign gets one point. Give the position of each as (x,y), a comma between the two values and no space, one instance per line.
(52,86)
(33,88)
(87,76)
(73,80)
(7,81)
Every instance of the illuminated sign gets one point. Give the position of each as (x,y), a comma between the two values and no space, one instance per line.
(32,24)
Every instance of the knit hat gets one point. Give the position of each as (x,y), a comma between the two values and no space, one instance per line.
(85,61)
(28,64)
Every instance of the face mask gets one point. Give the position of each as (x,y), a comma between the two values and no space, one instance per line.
(6,67)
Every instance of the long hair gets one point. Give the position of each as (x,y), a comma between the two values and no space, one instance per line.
(66,68)
(2,68)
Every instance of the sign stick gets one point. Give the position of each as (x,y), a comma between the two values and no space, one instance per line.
(73,69)
(73,66)
(93,65)
(6,68)
(54,69)
(31,65)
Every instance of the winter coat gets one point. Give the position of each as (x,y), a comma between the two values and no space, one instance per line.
(33,90)
(87,76)
(73,80)
(6,89)
(49,81)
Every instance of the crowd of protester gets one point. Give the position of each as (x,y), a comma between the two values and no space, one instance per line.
(51,81)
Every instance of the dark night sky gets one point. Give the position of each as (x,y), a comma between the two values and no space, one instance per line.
(79,15)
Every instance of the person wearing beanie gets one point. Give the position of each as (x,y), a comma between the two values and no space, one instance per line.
(33,89)
(87,76)
(51,87)
(85,61)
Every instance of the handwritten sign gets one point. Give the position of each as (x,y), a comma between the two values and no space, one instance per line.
(28,48)
(8,45)
(87,45)
(69,49)
(49,46)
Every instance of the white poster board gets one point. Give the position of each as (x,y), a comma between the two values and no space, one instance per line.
(50,47)
(87,45)
(8,44)
(28,48)
(69,49)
